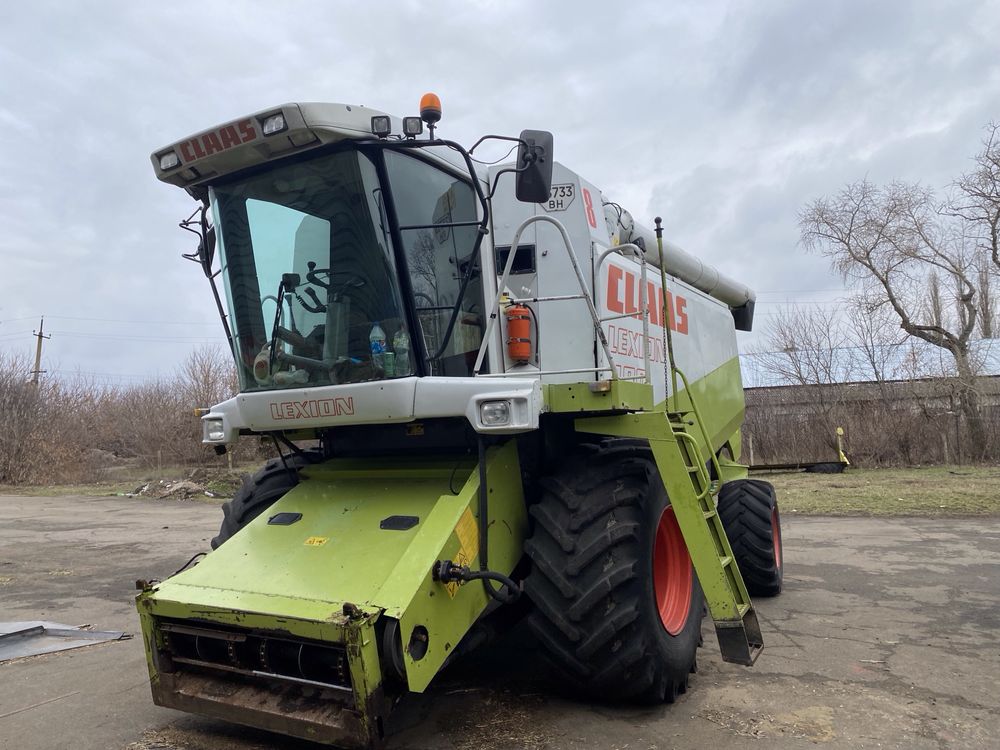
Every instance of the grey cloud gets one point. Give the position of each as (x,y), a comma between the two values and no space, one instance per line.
(723,117)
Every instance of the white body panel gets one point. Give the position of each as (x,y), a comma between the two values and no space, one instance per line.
(704,335)
(701,327)
(565,338)
(381,402)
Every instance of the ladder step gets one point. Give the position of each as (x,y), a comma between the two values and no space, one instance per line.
(740,642)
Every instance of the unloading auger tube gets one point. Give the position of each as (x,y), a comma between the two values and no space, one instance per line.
(680,263)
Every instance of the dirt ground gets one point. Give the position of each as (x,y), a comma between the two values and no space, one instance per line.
(887,636)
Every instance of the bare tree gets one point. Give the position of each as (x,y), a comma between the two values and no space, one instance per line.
(935,301)
(877,336)
(976,198)
(987,305)
(803,347)
(895,240)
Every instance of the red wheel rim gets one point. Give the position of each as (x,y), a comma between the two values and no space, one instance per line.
(672,577)
(776,536)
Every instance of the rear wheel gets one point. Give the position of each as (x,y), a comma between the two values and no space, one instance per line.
(748,509)
(617,606)
(260,492)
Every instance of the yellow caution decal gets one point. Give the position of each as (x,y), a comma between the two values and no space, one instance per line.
(467,531)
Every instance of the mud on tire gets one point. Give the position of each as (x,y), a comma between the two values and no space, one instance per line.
(595,608)
(748,509)
(260,491)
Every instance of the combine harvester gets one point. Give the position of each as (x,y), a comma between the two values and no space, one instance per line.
(468,433)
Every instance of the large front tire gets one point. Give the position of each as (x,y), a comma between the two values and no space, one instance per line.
(617,606)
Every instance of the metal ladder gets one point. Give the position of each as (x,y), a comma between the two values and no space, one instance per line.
(736,624)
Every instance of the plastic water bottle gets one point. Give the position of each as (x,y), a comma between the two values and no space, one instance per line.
(401,345)
(376,340)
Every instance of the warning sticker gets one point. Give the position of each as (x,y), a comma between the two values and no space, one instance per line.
(317,541)
(467,531)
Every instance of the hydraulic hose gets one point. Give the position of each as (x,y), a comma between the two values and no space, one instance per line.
(447,571)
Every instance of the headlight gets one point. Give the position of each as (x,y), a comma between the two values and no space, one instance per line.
(495,413)
(214,430)
(273,124)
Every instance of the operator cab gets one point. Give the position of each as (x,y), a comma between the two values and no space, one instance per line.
(347,266)
(348,254)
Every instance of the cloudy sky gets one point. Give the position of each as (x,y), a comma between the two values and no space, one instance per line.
(722,117)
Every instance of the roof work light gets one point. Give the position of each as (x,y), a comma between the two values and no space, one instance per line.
(169,160)
(381,126)
(412,126)
(274,124)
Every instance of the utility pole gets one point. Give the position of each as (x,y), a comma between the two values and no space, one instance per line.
(38,351)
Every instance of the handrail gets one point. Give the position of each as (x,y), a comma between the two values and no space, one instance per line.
(491,325)
(701,422)
(643,302)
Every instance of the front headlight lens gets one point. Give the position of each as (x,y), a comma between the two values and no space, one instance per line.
(495,413)
(214,430)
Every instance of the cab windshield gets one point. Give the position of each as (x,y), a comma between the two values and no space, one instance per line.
(312,274)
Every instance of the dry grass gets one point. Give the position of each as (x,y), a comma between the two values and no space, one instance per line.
(926,491)
(76,432)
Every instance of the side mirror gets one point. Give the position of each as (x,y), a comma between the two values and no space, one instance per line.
(534,166)
(205,253)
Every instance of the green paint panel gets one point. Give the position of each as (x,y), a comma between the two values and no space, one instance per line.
(622,395)
(719,396)
(336,553)
(447,619)
(296,578)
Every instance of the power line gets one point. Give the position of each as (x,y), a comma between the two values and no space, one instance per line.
(910,341)
(128,321)
(800,291)
(138,322)
(121,375)
(161,339)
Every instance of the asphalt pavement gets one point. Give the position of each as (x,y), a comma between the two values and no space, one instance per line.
(887,636)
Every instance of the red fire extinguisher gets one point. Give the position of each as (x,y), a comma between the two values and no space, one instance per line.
(518,333)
